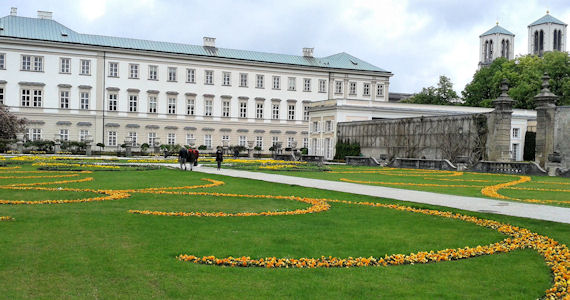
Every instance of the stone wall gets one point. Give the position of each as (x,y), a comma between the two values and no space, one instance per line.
(562,135)
(439,137)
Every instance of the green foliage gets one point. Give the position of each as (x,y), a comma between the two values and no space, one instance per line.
(202,147)
(304,151)
(40,145)
(443,94)
(144,147)
(238,148)
(524,75)
(10,124)
(529,146)
(345,148)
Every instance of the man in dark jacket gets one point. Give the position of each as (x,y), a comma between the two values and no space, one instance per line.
(219,157)
(182,157)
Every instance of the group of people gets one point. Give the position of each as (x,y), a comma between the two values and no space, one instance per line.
(190,155)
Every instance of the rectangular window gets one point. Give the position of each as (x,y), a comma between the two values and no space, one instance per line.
(292,84)
(316,126)
(64,99)
(111,138)
(276,82)
(305,142)
(242,140)
(225,108)
(274,140)
(134,71)
(113,102)
(306,85)
(275,111)
(26,63)
(516,150)
(243,79)
(208,107)
(259,81)
(290,141)
(64,135)
(113,69)
(2,61)
(152,104)
(291,112)
(243,109)
(35,134)
(65,65)
(38,63)
(380,90)
(352,88)
(133,103)
(133,136)
(83,133)
(190,106)
(225,138)
(306,113)
(172,74)
(171,139)
(151,138)
(172,105)
(85,67)
(366,89)
(189,138)
(208,77)
(152,72)
(37,98)
(259,110)
(226,78)
(191,75)
(208,141)
(84,100)
(516,133)
(26,97)
(328,126)
(338,87)
(1,95)
(322,86)
(259,141)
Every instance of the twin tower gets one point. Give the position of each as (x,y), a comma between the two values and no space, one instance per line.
(544,34)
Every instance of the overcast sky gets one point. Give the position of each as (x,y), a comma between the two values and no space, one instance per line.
(417,40)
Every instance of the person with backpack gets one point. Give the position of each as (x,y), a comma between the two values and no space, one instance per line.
(183,157)
(219,157)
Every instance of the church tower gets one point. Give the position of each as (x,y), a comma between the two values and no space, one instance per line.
(496,42)
(546,34)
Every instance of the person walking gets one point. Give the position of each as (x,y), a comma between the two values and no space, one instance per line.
(182,157)
(191,157)
(219,157)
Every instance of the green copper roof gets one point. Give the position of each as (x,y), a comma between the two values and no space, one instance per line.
(547,19)
(50,30)
(497,29)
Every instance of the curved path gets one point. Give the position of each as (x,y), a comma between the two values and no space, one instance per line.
(516,209)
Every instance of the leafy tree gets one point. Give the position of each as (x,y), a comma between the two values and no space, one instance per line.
(525,80)
(10,124)
(443,94)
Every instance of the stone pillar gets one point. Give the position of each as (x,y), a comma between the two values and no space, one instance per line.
(499,138)
(128,147)
(57,144)
(545,113)
(250,149)
(20,142)
(88,145)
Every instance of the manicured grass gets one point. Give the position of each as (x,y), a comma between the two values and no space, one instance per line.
(99,250)
(467,184)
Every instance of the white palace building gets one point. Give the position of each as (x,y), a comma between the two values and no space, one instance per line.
(71,85)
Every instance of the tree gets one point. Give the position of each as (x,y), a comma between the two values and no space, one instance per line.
(443,94)
(10,124)
(524,75)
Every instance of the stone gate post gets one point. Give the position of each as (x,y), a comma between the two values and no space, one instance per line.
(499,138)
(545,117)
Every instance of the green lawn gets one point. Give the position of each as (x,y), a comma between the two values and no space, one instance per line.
(557,191)
(99,250)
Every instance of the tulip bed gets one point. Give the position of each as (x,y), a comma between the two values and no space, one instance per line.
(99,234)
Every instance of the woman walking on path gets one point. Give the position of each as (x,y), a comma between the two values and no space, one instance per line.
(219,157)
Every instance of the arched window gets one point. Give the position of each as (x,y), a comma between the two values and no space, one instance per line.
(541,41)
(507,49)
(503,48)
(536,42)
(555,43)
(485,51)
(490,50)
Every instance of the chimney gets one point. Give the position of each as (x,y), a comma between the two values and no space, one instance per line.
(44,14)
(209,42)
(14,11)
(308,52)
